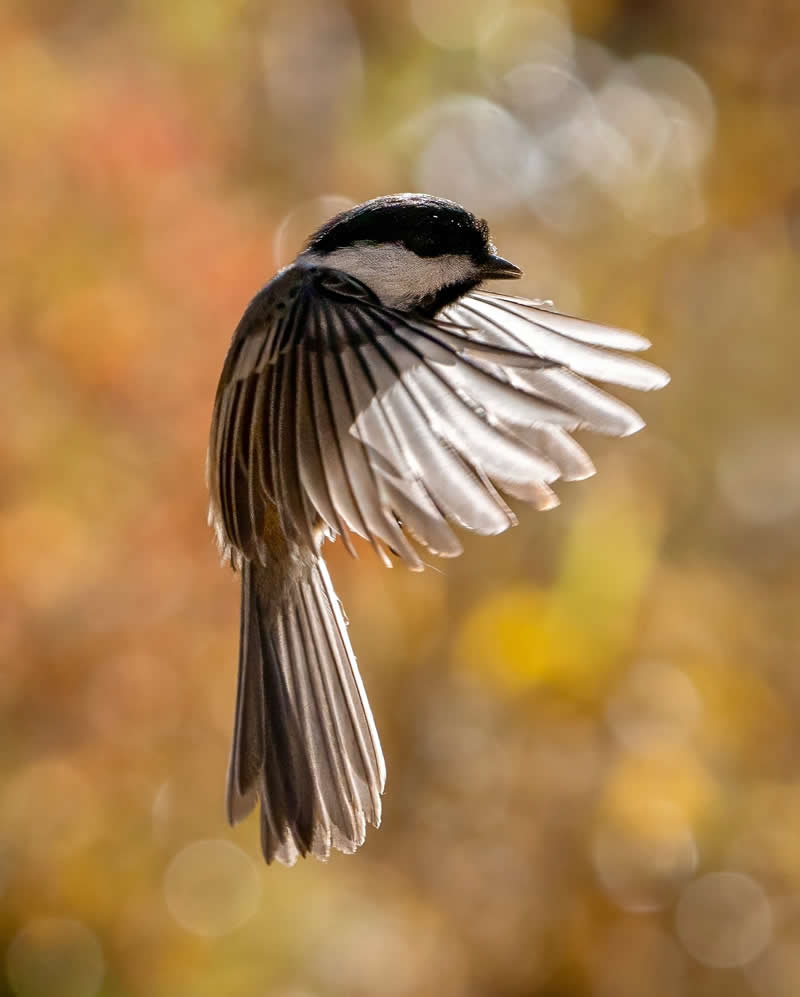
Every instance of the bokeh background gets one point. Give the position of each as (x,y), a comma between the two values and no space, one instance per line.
(591,722)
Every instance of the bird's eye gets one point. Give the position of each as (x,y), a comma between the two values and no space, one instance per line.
(422,244)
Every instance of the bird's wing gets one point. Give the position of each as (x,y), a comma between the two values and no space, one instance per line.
(334,408)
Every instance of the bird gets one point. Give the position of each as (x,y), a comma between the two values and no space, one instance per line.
(375,387)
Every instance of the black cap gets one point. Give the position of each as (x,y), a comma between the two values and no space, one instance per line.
(428,226)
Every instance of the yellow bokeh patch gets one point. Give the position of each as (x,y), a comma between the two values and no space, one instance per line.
(572,634)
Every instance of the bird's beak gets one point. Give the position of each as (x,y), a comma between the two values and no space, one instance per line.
(496,268)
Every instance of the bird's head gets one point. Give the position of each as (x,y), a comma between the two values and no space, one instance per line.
(416,252)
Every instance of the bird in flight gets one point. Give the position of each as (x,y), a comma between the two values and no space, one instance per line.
(375,387)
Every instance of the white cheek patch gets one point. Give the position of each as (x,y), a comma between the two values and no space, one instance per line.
(398,276)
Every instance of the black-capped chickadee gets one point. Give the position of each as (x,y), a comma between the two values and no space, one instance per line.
(374,387)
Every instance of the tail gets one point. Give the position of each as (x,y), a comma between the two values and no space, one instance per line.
(304,741)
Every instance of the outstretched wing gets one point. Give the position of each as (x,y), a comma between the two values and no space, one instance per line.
(334,410)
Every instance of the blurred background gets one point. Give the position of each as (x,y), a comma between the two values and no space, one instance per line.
(590,722)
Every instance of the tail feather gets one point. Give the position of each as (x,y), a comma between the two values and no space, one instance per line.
(248,734)
(305,743)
